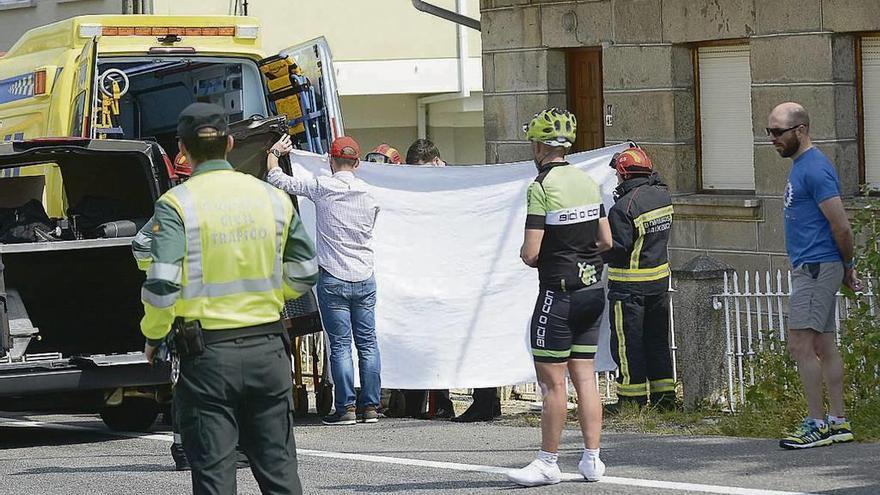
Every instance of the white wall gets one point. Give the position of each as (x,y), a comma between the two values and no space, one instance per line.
(455,127)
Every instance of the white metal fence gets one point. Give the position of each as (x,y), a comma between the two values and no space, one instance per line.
(756,314)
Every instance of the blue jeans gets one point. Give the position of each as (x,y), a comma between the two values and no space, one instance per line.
(349,309)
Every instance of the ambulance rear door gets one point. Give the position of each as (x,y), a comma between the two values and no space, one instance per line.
(82,114)
(301,84)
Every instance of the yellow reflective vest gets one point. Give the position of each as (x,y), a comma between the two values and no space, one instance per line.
(227,249)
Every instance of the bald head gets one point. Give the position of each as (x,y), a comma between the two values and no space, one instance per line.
(789,114)
(789,129)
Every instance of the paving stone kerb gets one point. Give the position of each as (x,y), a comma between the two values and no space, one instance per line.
(699,330)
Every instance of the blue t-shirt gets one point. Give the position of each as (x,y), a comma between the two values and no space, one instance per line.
(808,236)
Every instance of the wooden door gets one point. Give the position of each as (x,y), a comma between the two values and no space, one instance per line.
(584,69)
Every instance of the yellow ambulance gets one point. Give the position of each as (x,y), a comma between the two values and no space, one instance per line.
(86,107)
(129,76)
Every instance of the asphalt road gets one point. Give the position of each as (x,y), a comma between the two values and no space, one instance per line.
(70,454)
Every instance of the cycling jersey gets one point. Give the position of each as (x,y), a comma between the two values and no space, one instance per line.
(566,204)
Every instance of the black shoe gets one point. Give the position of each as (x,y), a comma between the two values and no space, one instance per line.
(241,459)
(181,463)
(664,401)
(624,403)
(473,414)
(416,401)
(443,413)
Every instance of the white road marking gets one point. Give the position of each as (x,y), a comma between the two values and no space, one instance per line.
(453,466)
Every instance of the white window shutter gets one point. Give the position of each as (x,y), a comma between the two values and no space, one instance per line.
(871,108)
(727,139)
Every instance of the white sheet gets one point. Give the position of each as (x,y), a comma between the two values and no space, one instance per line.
(454,300)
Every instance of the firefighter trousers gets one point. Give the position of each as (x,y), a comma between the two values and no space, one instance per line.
(640,346)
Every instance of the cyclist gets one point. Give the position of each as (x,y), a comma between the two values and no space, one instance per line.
(565,232)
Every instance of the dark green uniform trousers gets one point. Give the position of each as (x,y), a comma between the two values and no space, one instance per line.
(240,386)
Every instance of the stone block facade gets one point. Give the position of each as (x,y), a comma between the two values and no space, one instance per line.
(801,50)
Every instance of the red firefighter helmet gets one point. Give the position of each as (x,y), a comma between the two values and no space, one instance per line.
(384,153)
(182,168)
(633,161)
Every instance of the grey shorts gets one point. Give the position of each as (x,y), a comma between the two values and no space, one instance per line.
(813,295)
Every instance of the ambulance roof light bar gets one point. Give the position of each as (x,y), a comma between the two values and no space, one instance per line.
(89,30)
(239,31)
(247,32)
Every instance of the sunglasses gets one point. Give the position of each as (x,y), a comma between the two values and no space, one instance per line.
(772,131)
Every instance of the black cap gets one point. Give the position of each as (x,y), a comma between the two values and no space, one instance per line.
(202,120)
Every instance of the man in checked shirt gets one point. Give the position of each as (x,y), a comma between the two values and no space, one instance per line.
(346,214)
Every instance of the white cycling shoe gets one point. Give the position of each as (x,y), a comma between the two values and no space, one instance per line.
(537,473)
(592,468)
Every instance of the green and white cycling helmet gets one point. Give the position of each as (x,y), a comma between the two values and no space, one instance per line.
(553,127)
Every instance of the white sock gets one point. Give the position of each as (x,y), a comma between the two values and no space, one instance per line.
(177,439)
(836,420)
(590,453)
(548,457)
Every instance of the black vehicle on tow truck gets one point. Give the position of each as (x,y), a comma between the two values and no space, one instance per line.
(70,303)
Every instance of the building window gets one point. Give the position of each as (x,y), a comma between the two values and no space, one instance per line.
(726,139)
(870,103)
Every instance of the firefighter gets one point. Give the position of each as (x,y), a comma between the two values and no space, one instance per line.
(226,250)
(638,276)
(383,153)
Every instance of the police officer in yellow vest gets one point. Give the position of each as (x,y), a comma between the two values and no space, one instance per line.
(227,250)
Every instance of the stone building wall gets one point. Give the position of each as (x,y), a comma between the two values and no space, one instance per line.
(801,50)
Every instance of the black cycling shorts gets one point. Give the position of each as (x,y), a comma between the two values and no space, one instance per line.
(566,324)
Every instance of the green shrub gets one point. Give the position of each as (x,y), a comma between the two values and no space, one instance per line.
(775,403)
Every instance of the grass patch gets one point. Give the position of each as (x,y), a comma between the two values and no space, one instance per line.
(753,422)
(632,419)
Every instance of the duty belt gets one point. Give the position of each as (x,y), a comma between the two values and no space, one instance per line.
(215,336)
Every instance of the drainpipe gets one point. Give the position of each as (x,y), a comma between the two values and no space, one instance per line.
(458,18)
(463,89)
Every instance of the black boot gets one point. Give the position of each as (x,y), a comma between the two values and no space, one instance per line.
(416,403)
(664,401)
(396,405)
(445,409)
(485,407)
(241,459)
(181,463)
(622,403)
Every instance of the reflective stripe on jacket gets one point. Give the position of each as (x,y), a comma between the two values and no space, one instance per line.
(227,249)
(641,221)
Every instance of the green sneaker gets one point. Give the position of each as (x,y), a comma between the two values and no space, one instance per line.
(840,433)
(807,436)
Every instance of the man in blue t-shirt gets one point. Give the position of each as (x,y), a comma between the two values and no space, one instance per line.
(819,242)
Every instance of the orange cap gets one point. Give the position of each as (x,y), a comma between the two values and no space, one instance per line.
(345,147)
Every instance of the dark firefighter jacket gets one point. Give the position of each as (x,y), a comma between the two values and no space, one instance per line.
(640,219)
